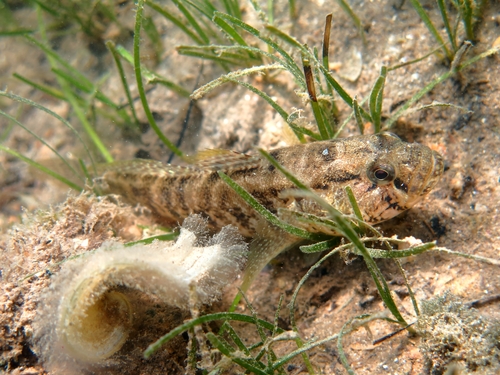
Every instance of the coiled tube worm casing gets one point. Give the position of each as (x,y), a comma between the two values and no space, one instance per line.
(85,317)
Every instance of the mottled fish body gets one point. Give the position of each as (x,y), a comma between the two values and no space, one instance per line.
(387,176)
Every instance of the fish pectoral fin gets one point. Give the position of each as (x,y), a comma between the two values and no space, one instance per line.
(267,244)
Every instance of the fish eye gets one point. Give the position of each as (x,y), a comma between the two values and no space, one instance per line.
(381,174)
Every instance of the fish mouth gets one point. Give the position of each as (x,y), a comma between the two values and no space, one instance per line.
(424,178)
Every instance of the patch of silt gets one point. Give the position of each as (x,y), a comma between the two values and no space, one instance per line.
(456,339)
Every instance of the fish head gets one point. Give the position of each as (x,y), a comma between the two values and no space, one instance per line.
(393,175)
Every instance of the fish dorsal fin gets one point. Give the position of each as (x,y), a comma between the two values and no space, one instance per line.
(142,167)
(223,159)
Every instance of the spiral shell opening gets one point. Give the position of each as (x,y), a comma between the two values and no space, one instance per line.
(97,330)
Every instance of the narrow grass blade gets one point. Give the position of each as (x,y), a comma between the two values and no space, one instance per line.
(265,212)
(376,99)
(70,167)
(340,90)
(319,246)
(301,130)
(192,21)
(221,345)
(354,203)
(53,114)
(408,287)
(236,52)
(41,168)
(226,328)
(55,60)
(347,230)
(287,38)
(459,55)
(293,9)
(224,59)
(81,85)
(327,225)
(444,17)
(325,130)
(116,57)
(160,237)
(53,55)
(89,129)
(390,122)
(465,9)
(225,316)
(396,254)
(260,13)
(230,31)
(52,11)
(349,117)
(85,170)
(151,31)
(270,11)
(340,348)
(263,337)
(289,63)
(17,32)
(260,329)
(357,116)
(430,26)
(495,262)
(283,170)
(304,349)
(231,77)
(176,21)
(58,94)
(140,86)
(232,8)
(152,77)
(438,105)
(205,7)
(359,25)
(418,59)
(271,102)
(326,40)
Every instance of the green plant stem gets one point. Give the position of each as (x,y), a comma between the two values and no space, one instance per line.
(301,233)
(376,99)
(325,130)
(359,25)
(53,114)
(205,319)
(273,104)
(41,167)
(71,98)
(116,57)
(70,167)
(430,26)
(444,17)
(153,77)
(175,20)
(140,86)
(390,122)
(192,21)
